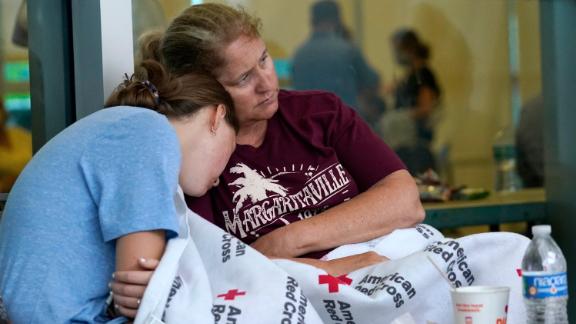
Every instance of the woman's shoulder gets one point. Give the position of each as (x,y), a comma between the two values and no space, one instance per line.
(314,112)
(305,95)
(127,113)
(119,127)
(426,77)
(299,104)
(126,119)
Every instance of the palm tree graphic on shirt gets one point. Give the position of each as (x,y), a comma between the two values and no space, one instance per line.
(253,186)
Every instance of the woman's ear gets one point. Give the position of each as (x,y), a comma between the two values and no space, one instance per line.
(217,118)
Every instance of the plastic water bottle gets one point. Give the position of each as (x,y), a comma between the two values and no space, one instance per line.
(504,151)
(545,281)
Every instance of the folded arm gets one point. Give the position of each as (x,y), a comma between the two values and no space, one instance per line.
(391,203)
(136,254)
(345,265)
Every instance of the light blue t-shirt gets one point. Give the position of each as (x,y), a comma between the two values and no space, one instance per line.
(110,174)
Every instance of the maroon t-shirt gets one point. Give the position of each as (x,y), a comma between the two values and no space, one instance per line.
(317,153)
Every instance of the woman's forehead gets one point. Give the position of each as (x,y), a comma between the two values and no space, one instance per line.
(241,55)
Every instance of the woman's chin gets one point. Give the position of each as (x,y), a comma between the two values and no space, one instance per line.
(266,111)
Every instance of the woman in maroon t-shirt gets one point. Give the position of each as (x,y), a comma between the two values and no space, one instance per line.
(307,175)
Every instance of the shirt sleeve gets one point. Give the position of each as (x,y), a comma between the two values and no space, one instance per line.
(359,149)
(132,175)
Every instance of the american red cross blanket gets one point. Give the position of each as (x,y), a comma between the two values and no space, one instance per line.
(208,276)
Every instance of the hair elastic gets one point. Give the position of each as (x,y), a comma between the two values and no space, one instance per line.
(153,90)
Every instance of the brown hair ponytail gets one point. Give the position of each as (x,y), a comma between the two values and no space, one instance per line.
(153,88)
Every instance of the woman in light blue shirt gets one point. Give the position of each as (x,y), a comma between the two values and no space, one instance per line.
(98,197)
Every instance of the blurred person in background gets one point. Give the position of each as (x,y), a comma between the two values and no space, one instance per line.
(330,61)
(416,97)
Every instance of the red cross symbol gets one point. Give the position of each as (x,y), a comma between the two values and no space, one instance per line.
(333,282)
(232,294)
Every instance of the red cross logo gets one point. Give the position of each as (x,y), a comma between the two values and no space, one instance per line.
(333,282)
(232,294)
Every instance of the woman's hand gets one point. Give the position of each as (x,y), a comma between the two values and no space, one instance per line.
(342,266)
(338,267)
(128,287)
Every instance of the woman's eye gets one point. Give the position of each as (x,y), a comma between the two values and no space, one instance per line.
(243,79)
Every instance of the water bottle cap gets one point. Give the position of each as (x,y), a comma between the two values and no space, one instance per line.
(541,230)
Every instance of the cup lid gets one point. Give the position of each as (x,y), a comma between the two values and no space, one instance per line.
(481,289)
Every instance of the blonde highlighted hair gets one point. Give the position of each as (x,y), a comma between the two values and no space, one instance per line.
(195,39)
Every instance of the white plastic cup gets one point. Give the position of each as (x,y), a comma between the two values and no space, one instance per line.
(480,304)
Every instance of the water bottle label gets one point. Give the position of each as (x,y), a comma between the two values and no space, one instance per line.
(544,286)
